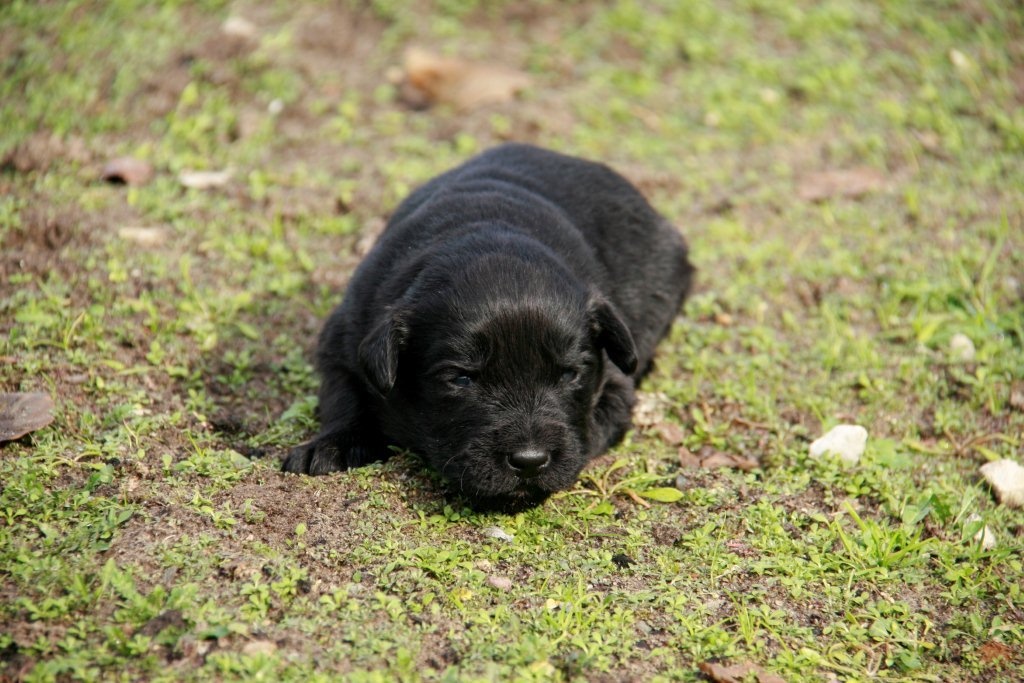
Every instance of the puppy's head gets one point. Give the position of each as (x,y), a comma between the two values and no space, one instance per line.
(493,372)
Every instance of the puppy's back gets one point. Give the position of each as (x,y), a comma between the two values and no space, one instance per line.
(589,214)
(644,259)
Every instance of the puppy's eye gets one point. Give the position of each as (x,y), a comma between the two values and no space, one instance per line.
(569,375)
(462,381)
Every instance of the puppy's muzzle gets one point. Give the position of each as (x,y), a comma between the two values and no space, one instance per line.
(529,462)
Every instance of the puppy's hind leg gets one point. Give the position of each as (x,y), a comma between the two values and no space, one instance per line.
(348,435)
(613,413)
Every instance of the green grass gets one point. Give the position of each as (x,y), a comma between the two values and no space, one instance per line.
(147,534)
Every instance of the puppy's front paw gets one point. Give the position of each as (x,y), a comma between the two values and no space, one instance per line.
(314,457)
(326,454)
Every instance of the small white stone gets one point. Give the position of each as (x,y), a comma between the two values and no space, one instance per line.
(985,536)
(239,27)
(845,441)
(1006,478)
(143,236)
(498,533)
(960,60)
(961,346)
(275,107)
(201,180)
(259,647)
(502,583)
(649,409)
(769,95)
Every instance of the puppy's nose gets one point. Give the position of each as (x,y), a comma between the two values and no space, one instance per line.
(529,461)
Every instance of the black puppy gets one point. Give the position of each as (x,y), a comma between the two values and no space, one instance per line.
(499,326)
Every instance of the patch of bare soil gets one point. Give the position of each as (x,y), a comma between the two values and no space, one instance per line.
(36,245)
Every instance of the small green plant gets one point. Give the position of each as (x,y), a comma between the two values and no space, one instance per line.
(878,547)
(637,486)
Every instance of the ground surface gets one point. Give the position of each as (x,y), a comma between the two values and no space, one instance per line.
(849,176)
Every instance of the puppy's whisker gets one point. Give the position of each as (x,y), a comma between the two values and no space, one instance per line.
(447,462)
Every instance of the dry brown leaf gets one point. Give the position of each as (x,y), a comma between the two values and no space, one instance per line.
(851,183)
(687,459)
(671,433)
(21,414)
(127,171)
(740,548)
(993,651)
(730,460)
(710,459)
(737,673)
(430,79)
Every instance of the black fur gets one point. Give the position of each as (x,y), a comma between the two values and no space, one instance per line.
(499,326)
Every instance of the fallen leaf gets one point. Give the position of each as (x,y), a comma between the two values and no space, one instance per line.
(737,673)
(688,459)
(730,460)
(994,652)
(851,183)
(21,414)
(671,433)
(740,548)
(202,180)
(127,171)
(710,459)
(429,79)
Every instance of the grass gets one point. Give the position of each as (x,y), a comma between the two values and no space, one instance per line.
(147,534)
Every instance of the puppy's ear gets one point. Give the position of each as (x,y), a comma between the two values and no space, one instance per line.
(611,334)
(378,353)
